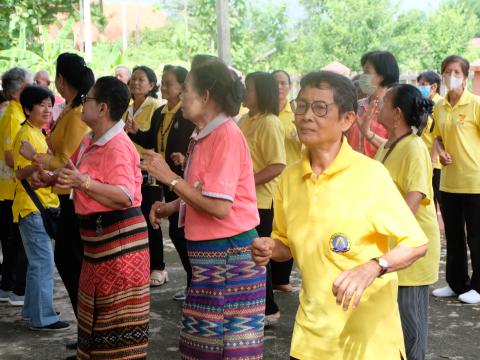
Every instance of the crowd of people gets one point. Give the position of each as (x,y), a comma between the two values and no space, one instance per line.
(347,179)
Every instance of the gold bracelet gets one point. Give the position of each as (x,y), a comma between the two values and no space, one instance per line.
(86,183)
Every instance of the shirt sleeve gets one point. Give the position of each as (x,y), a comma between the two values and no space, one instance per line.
(391,215)
(272,141)
(220,180)
(11,130)
(279,224)
(418,174)
(120,167)
(75,130)
(436,127)
(18,160)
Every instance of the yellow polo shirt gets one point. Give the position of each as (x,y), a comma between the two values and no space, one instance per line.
(166,125)
(410,167)
(22,204)
(266,140)
(332,223)
(428,135)
(143,115)
(459,128)
(64,139)
(293,146)
(10,124)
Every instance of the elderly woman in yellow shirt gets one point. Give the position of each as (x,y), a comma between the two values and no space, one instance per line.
(143,87)
(457,131)
(408,161)
(335,211)
(14,267)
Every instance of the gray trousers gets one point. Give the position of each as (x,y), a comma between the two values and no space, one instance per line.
(413,306)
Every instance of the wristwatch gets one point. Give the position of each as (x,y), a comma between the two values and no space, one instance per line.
(383,265)
(173,183)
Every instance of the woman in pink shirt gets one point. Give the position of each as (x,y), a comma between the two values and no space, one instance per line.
(226,299)
(104,175)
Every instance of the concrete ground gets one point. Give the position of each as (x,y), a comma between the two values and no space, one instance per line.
(454,328)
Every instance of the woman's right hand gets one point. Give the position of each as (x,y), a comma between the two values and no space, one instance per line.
(445,158)
(177,158)
(131,126)
(365,120)
(262,250)
(159,211)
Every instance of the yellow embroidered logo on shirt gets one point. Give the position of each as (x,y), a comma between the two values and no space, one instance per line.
(340,243)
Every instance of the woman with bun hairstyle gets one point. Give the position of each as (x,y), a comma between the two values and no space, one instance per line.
(73,79)
(407,158)
(169,135)
(143,87)
(224,311)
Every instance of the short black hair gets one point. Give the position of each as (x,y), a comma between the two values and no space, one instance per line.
(75,71)
(266,87)
(225,88)
(384,64)
(431,77)
(344,92)
(33,95)
(464,64)
(280,71)
(179,72)
(152,79)
(114,93)
(414,106)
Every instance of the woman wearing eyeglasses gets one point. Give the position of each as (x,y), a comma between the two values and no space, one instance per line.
(335,212)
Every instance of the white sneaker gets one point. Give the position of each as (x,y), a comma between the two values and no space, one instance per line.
(470,297)
(444,292)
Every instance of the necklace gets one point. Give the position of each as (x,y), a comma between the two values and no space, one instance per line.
(390,149)
(164,132)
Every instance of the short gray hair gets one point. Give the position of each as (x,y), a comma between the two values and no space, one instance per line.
(13,80)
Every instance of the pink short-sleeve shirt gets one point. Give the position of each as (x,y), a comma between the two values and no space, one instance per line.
(221,167)
(112,159)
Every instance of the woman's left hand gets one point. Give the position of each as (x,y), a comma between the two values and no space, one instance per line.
(156,166)
(70,177)
(352,283)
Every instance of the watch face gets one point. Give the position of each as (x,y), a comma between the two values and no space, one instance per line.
(383,263)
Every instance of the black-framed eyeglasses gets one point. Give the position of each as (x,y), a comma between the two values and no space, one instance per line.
(319,108)
(85,98)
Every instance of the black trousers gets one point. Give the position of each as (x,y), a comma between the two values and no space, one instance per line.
(436,186)
(462,212)
(281,272)
(150,194)
(68,253)
(14,267)
(265,230)
(177,235)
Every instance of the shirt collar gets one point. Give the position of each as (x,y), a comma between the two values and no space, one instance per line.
(110,134)
(211,126)
(287,108)
(342,161)
(465,99)
(166,110)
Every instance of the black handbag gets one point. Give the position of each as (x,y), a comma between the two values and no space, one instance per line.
(50,216)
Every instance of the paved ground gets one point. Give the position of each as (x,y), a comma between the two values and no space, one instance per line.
(454,328)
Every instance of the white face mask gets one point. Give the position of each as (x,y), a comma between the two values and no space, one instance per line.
(365,83)
(452,82)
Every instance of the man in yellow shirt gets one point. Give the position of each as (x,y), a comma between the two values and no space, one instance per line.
(457,131)
(335,211)
(429,86)
(12,287)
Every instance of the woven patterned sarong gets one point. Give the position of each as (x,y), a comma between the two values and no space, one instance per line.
(114,291)
(223,314)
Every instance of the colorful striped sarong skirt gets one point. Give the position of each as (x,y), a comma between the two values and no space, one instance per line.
(114,290)
(223,315)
